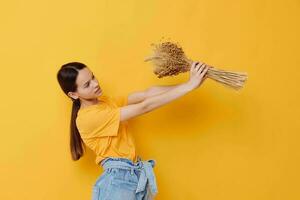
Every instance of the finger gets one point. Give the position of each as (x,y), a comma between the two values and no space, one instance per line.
(201,69)
(201,63)
(202,66)
(204,72)
(194,65)
(206,69)
(198,67)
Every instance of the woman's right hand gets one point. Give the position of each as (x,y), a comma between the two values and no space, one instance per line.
(197,74)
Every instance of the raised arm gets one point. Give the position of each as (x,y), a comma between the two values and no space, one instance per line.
(139,96)
(132,110)
(197,73)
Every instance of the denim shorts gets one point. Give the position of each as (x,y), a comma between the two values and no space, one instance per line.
(124,180)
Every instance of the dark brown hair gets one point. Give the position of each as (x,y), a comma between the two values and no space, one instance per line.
(66,77)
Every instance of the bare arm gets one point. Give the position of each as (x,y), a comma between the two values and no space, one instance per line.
(197,73)
(136,97)
(156,101)
(152,102)
(159,89)
(139,96)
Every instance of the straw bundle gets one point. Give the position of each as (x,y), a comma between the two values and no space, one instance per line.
(169,60)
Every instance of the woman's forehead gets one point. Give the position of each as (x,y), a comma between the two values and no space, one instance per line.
(84,76)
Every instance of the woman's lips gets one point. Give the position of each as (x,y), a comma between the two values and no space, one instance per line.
(98,90)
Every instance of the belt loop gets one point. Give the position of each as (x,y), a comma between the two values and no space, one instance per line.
(132,171)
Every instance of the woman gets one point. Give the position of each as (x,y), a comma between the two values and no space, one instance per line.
(100,122)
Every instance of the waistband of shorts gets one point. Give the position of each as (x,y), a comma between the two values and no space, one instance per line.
(125,160)
(145,167)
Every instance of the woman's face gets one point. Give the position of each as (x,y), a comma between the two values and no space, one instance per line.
(87,85)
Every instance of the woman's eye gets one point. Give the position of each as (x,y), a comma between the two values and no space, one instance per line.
(89,83)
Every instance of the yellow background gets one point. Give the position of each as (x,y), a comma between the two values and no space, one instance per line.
(214,143)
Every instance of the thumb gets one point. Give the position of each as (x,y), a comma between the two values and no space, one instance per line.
(203,79)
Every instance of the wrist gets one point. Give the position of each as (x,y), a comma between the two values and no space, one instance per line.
(189,87)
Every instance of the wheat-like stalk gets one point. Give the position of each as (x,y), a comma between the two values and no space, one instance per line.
(169,60)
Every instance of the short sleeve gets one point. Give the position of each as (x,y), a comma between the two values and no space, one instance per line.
(99,123)
(120,100)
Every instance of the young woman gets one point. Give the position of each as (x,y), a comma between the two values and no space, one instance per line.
(100,122)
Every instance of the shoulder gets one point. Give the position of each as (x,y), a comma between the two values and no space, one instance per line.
(119,100)
(116,100)
(100,120)
(97,113)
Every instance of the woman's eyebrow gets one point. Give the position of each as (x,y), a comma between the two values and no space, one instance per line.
(89,80)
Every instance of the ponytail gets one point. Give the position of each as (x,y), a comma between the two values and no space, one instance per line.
(66,77)
(76,143)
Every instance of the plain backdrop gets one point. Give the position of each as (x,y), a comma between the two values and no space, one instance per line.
(213,143)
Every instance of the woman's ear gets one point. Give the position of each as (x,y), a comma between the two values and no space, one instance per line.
(73,95)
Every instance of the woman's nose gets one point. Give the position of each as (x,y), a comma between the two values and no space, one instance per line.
(96,84)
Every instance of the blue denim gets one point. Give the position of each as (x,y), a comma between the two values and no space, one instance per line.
(123,179)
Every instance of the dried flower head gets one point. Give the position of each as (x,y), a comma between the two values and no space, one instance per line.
(169,59)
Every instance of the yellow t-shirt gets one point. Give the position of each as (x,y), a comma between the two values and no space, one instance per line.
(102,131)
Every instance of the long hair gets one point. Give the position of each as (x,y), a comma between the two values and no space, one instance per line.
(66,77)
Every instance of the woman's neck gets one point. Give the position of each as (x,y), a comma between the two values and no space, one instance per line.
(87,103)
